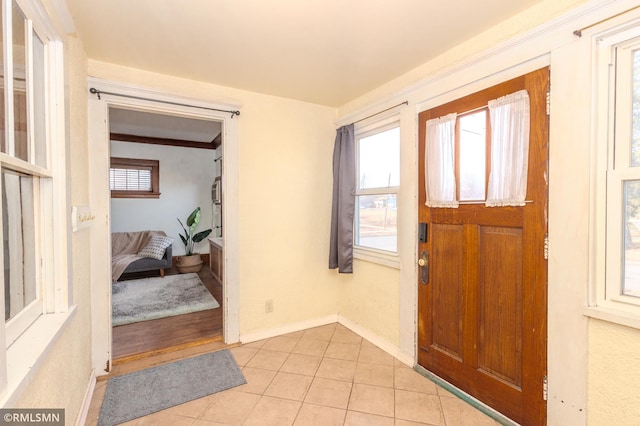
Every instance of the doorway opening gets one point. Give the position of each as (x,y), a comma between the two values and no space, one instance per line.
(165,126)
(162,168)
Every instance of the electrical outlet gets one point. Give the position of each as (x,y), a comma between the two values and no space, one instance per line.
(268,306)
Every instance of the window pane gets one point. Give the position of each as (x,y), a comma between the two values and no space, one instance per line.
(631,229)
(635,110)
(19,242)
(376,225)
(472,161)
(130,180)
(39,107)
(379,160)
(19,86)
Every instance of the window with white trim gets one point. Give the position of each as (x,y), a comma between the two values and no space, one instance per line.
(33,212)
(377,185)
(617,279)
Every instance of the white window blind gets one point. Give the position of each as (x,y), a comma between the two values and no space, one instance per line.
(121,179)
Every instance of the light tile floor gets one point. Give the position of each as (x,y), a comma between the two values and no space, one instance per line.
(321,376)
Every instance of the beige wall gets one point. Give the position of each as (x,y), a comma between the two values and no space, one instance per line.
(614,374)
(285,155)
(64,375)
(370,297)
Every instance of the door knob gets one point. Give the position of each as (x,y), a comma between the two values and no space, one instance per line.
(423,262)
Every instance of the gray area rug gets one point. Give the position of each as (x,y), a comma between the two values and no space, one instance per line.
(152,298)
(147,391)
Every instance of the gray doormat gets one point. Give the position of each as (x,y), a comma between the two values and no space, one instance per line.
(147,391)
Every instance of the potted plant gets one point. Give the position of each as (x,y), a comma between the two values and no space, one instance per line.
(191,262)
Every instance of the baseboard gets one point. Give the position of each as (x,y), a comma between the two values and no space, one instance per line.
(377,340)
(289,328)
(86,402)
(363,332)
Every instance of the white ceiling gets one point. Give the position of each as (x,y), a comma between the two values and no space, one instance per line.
(322,51)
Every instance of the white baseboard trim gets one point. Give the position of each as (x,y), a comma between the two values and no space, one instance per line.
(86,402)
(377,340)
(289,328)
(363,332)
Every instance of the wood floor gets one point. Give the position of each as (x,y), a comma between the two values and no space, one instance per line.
(137,340)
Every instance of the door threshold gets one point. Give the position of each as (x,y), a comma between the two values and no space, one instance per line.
(144,360)
(481,406)
(133,357)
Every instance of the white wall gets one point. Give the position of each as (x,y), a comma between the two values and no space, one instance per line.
(186,176)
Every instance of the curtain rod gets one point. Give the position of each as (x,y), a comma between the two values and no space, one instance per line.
(380,112)
(579,32)
(99,92)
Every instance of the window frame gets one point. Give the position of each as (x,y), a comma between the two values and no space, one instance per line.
(611,166)
(366,129)
(137,164)
(31,339)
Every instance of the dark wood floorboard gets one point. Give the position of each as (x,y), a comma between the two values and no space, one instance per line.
(154,336)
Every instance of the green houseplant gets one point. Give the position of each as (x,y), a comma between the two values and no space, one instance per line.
(191,262)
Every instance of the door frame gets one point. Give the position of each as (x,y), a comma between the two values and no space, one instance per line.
(448,97)
(150,100)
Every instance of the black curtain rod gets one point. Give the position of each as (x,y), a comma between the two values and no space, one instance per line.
(99,92)
(380,112)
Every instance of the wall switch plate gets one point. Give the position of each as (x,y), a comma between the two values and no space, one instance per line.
(81,217)
(268,306)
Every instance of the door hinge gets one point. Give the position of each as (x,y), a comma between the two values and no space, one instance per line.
(545,388)
(548,102)
(546,247)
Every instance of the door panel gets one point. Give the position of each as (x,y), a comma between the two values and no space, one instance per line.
(482,314)
(448,242)
(500,290)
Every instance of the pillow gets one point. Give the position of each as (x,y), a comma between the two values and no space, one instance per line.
(155,247)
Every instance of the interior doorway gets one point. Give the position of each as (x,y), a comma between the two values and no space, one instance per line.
(115,96)
(162,167)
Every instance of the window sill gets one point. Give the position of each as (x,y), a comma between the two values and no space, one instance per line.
(26,354)
(612,315)
(374,256)
(132,194)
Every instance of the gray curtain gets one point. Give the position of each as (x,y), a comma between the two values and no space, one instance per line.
(344,193)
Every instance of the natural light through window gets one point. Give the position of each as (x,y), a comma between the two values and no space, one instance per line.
(378,182)
(616,280)
(134,178)
(631,212)
(472,156)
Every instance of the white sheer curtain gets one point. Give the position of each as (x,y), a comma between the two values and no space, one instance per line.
(509,150)
(440,180)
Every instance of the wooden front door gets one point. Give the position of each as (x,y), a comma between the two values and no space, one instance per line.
(482,311)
